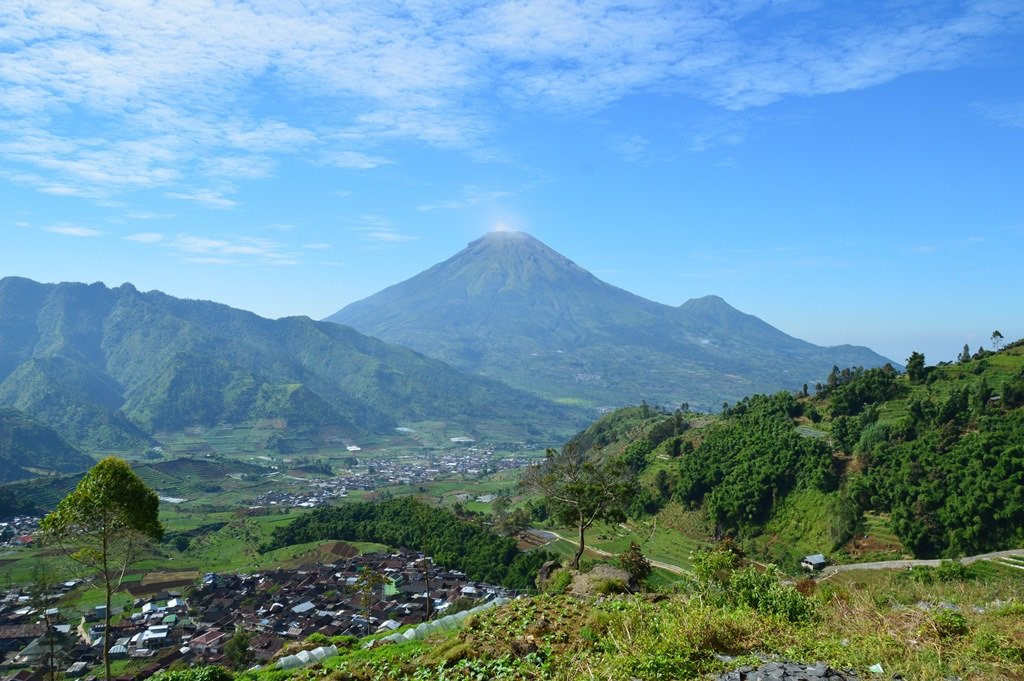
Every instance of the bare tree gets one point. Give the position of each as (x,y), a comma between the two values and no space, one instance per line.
(367,583)
(42,593)
(997,339)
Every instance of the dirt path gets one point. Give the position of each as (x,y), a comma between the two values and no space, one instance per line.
(552,536)
(903,564)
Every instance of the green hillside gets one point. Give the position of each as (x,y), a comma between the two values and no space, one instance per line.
(27,448)
(109,368)
(511,308)
(929,463)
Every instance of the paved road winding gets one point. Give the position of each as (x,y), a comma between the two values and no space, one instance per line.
(903,564)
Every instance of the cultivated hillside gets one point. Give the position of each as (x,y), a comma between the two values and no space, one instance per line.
(511,308)
(929,463)
(108,368)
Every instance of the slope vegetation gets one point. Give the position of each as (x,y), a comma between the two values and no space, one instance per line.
(108,368)
(27,446)
(934,460)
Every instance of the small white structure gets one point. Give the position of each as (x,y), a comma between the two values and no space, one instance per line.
(814,562)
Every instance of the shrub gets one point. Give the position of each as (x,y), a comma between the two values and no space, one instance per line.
(952,571)
(559,582)
(344,641)
(763,592)
(949,623)
(634,562)
(608,587)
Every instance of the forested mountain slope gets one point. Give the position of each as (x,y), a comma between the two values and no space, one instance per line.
(27,446)
(938,451)
(511,308)
(107,368)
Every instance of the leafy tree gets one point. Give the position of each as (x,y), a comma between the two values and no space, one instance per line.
(997,339)
(965,355)
(633,561)
(236,650)
(915,367)
(581,490)
(105,524)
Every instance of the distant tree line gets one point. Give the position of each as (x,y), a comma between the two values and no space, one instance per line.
(405,522)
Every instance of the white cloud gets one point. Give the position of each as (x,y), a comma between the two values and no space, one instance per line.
(377,228)
(230,249)
(74,230)
(146,237)
(317,247)
(99,97)
(206,197)
(147,215)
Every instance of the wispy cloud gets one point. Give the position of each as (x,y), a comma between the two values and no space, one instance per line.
(98,97)
(146,237)
(147,215)
(378,229)
(471,196)
(74,230)
(1010,114)
(207,197)
(226,250)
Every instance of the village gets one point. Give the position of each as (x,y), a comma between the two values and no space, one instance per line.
(336,598)
(19,531)
(370,474)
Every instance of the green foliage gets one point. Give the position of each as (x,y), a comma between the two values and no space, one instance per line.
(610,587)
(749,460)
(406,522)
(558,583)
(723,582)
(25,443)
(632,560)
(236,650)
(106,368)
(915,367)
(949,623)
(104,525)
(761,590)
(580,489)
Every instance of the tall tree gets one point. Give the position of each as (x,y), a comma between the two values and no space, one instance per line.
(581,490)
(997,339)
(368,582)
(106,524)
(965,355)
(42,593)
(236,650)
(915,367)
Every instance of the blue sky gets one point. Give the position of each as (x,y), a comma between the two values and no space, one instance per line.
(850,172)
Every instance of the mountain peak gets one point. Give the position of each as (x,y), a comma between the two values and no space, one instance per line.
(707,304)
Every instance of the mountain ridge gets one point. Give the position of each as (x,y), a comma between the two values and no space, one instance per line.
(110,367)
(509,307)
